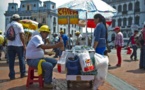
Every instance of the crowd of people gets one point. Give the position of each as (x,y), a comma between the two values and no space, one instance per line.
(34,47)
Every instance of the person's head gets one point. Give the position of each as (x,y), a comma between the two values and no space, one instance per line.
(135,32)
(39,25)
(61,32)
(70,35)
(117,29)
(44,31)
(99,18)
(15,17)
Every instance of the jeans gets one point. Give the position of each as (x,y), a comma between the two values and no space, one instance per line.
(12,52)
(134,52)
(142,57)
(101,50)
(119,54)
(46,66)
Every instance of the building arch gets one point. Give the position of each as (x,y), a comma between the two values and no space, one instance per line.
(124,22)
(124,7)
(137,5)
(119,8)
(130,6)
(130,21)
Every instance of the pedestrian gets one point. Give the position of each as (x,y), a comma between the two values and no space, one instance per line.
(65,41)
(142,53)
(35,53)
(133,45)
(119,42)
(99,45)
(100,34)
(16,46)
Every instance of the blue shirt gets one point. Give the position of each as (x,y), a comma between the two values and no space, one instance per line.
(100,35)
(65,38)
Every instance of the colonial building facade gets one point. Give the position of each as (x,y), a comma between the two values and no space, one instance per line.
(42,12)
(130,13)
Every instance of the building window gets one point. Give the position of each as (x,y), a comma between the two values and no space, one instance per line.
(124,22)
(137,5)
(34,19)
(119,21)
(119,8)
(28,7)
(113,37)
(23,6)
(113,22)
(43,20)
(124,7)
(130,21)
(137,20)
(124,35)
(34,5)
(52,6)
(114,7)
(64,31)
(45,5)
(12,7)
(54,30)
(130,6)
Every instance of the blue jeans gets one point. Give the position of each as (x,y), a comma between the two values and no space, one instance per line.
(12,51)
(134,54)
(142,57)
(100,50)
(46,66)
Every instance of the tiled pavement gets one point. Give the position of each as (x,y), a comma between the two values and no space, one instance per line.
(129,73)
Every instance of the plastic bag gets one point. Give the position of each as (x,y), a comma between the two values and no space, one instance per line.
(101,65)
(86,62)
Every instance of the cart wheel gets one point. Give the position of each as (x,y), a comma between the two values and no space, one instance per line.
(91,84)
(68,84)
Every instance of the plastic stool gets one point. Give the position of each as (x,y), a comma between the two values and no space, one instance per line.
(31,77)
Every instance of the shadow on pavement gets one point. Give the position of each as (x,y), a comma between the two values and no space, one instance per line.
(137,71)
(4,64)
(113,67)
(127,60)
(4,80)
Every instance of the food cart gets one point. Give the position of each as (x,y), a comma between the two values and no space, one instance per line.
(82,76)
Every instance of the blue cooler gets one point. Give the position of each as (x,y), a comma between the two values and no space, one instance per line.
(73,66)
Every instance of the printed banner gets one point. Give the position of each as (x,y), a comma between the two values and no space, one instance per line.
(64,13)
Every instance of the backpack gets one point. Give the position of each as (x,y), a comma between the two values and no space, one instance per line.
(10,34)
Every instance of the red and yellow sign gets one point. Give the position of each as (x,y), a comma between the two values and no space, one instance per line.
(64,13)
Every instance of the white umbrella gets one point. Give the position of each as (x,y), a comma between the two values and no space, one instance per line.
(91,7)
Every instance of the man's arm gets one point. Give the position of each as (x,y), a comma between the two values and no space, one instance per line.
(43,46)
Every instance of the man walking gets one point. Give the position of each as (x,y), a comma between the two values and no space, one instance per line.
(16,46)
(134,45)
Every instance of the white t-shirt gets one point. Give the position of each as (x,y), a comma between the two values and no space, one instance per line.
(18,29)
(32,50)
(35,33)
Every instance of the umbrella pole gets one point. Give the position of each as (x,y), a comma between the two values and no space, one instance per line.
(68,32)
(86,29)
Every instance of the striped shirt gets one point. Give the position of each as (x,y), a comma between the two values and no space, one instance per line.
(119,39)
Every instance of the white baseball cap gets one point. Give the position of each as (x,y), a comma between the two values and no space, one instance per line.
(16,16)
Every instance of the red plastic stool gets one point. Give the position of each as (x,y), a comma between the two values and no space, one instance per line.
(31,77)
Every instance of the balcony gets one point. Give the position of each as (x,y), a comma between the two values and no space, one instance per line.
(124,12)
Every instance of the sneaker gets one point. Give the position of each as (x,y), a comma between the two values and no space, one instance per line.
(131,59)
(50,86)
(12,78)
(118,65)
